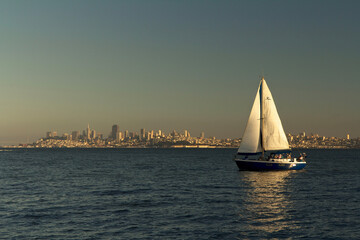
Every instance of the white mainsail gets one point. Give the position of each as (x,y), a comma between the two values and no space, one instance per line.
(273,134)
(251,137)
(263,130)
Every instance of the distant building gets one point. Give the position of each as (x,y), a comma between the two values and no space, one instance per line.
(134,135)
(88,132)
(119,137)
(99,136)
(185,133)
(114,131)
(148,136)
(348,136)
(93,134)
(66,136)
(126,134)
(202,135)
(51,134)
(142,133)
(75,135)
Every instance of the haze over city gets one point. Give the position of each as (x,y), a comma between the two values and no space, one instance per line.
(167,65)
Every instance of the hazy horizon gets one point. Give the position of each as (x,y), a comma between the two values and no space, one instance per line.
(177,65)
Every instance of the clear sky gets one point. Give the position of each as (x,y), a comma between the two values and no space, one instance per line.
(167,65)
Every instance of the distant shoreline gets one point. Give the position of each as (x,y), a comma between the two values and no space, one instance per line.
(137,147)
(2,148)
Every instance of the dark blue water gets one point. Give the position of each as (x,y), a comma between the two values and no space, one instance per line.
(175,194)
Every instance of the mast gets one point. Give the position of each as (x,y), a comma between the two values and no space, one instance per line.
(262,117)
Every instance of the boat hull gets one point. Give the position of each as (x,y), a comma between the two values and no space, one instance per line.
(256,165)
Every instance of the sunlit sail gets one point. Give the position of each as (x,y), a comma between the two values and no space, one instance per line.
(264,144)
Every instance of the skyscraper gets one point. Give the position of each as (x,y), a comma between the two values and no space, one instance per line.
(142,133)
(126,134)
(75,135)
(93,134)
(119,137)
(88,132)
(131,135)
(114,131)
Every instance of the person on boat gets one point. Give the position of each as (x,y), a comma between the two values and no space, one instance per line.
(302,157)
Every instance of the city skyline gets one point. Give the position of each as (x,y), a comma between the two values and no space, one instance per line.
(113,133)
(143,138)
(142,132)
(177,65)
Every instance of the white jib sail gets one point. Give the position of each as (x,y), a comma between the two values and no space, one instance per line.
(274,137)
(251,138)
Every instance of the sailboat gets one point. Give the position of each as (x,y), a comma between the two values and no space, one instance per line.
(264,144)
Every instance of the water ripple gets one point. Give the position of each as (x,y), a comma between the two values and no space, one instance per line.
(174,194)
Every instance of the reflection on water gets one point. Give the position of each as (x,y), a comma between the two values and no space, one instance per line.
(267,205)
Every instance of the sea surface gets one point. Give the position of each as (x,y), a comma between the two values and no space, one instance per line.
(175,194)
